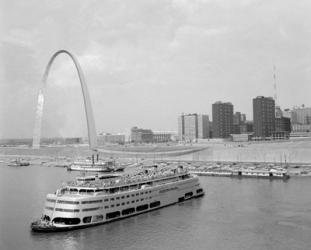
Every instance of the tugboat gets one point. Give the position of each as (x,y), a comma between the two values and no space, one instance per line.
(92,201)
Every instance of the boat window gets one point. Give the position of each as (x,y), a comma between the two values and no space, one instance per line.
(99,190)
(155,204)
(112,199)
(106,199)
(127,202)
(199,190)
(137,194)
(146,192)
(142,193)
(128,211)
(118,198)
(90,190)
(68,210)
(122,197)
(66,221)
(112,205)
(87,219)
(67,202)
(122,203)
(91,209)
(127,196)
(112,215)
(73,190)
(142,207)
(49,208)
(188,194)
(82,191)
(92,201)
(137,200)
(133,201)
(97,218)
(133,195)
(50,200)
(124,188)
(118,204)
(106,207)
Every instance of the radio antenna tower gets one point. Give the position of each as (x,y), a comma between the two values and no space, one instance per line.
(274,84)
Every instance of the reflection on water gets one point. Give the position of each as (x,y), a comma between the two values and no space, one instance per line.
(234,214)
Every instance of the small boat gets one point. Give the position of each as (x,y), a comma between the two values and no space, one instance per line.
(18,163)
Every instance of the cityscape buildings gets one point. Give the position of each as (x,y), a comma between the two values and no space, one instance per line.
(239,123)
(139,135)
(107,138)
(301,115)
(193,126)
(222,119)
(203,127)
(263,116)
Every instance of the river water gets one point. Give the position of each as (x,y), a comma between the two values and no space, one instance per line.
(234,214)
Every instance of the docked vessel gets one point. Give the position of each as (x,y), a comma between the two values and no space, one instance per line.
(83,203)
(271,174)
(19,163)
(95,166)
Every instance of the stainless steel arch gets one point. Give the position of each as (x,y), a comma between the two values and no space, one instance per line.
(87,103)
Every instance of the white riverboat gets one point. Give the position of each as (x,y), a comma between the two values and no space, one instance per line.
(95,166)
(84,203)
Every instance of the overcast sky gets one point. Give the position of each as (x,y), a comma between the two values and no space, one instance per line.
(146,62)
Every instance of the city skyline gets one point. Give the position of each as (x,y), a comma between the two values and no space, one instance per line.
(145,63)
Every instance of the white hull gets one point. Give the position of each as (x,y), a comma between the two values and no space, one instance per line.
(88,168)
(97,209)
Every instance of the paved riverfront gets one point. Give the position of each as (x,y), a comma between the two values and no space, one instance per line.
(234,214)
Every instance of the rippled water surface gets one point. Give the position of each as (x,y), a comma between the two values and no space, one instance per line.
(234,214)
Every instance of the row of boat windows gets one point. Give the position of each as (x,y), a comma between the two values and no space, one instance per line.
(109,216)
(125,188)
(95,208)
(108,191)
(74,210)
(98,201)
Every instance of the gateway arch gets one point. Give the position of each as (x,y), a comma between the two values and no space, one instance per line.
(87,103)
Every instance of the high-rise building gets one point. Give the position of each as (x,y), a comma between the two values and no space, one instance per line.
(193,126)
(243,118)
(203,127)
(222,119)
(301,115)
(264,116)
(278,112)
(181,127)
(282,124)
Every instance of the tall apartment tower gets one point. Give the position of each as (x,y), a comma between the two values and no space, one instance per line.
(203,126)
(193,126)
(181,127)
(222,119)
(264,116)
